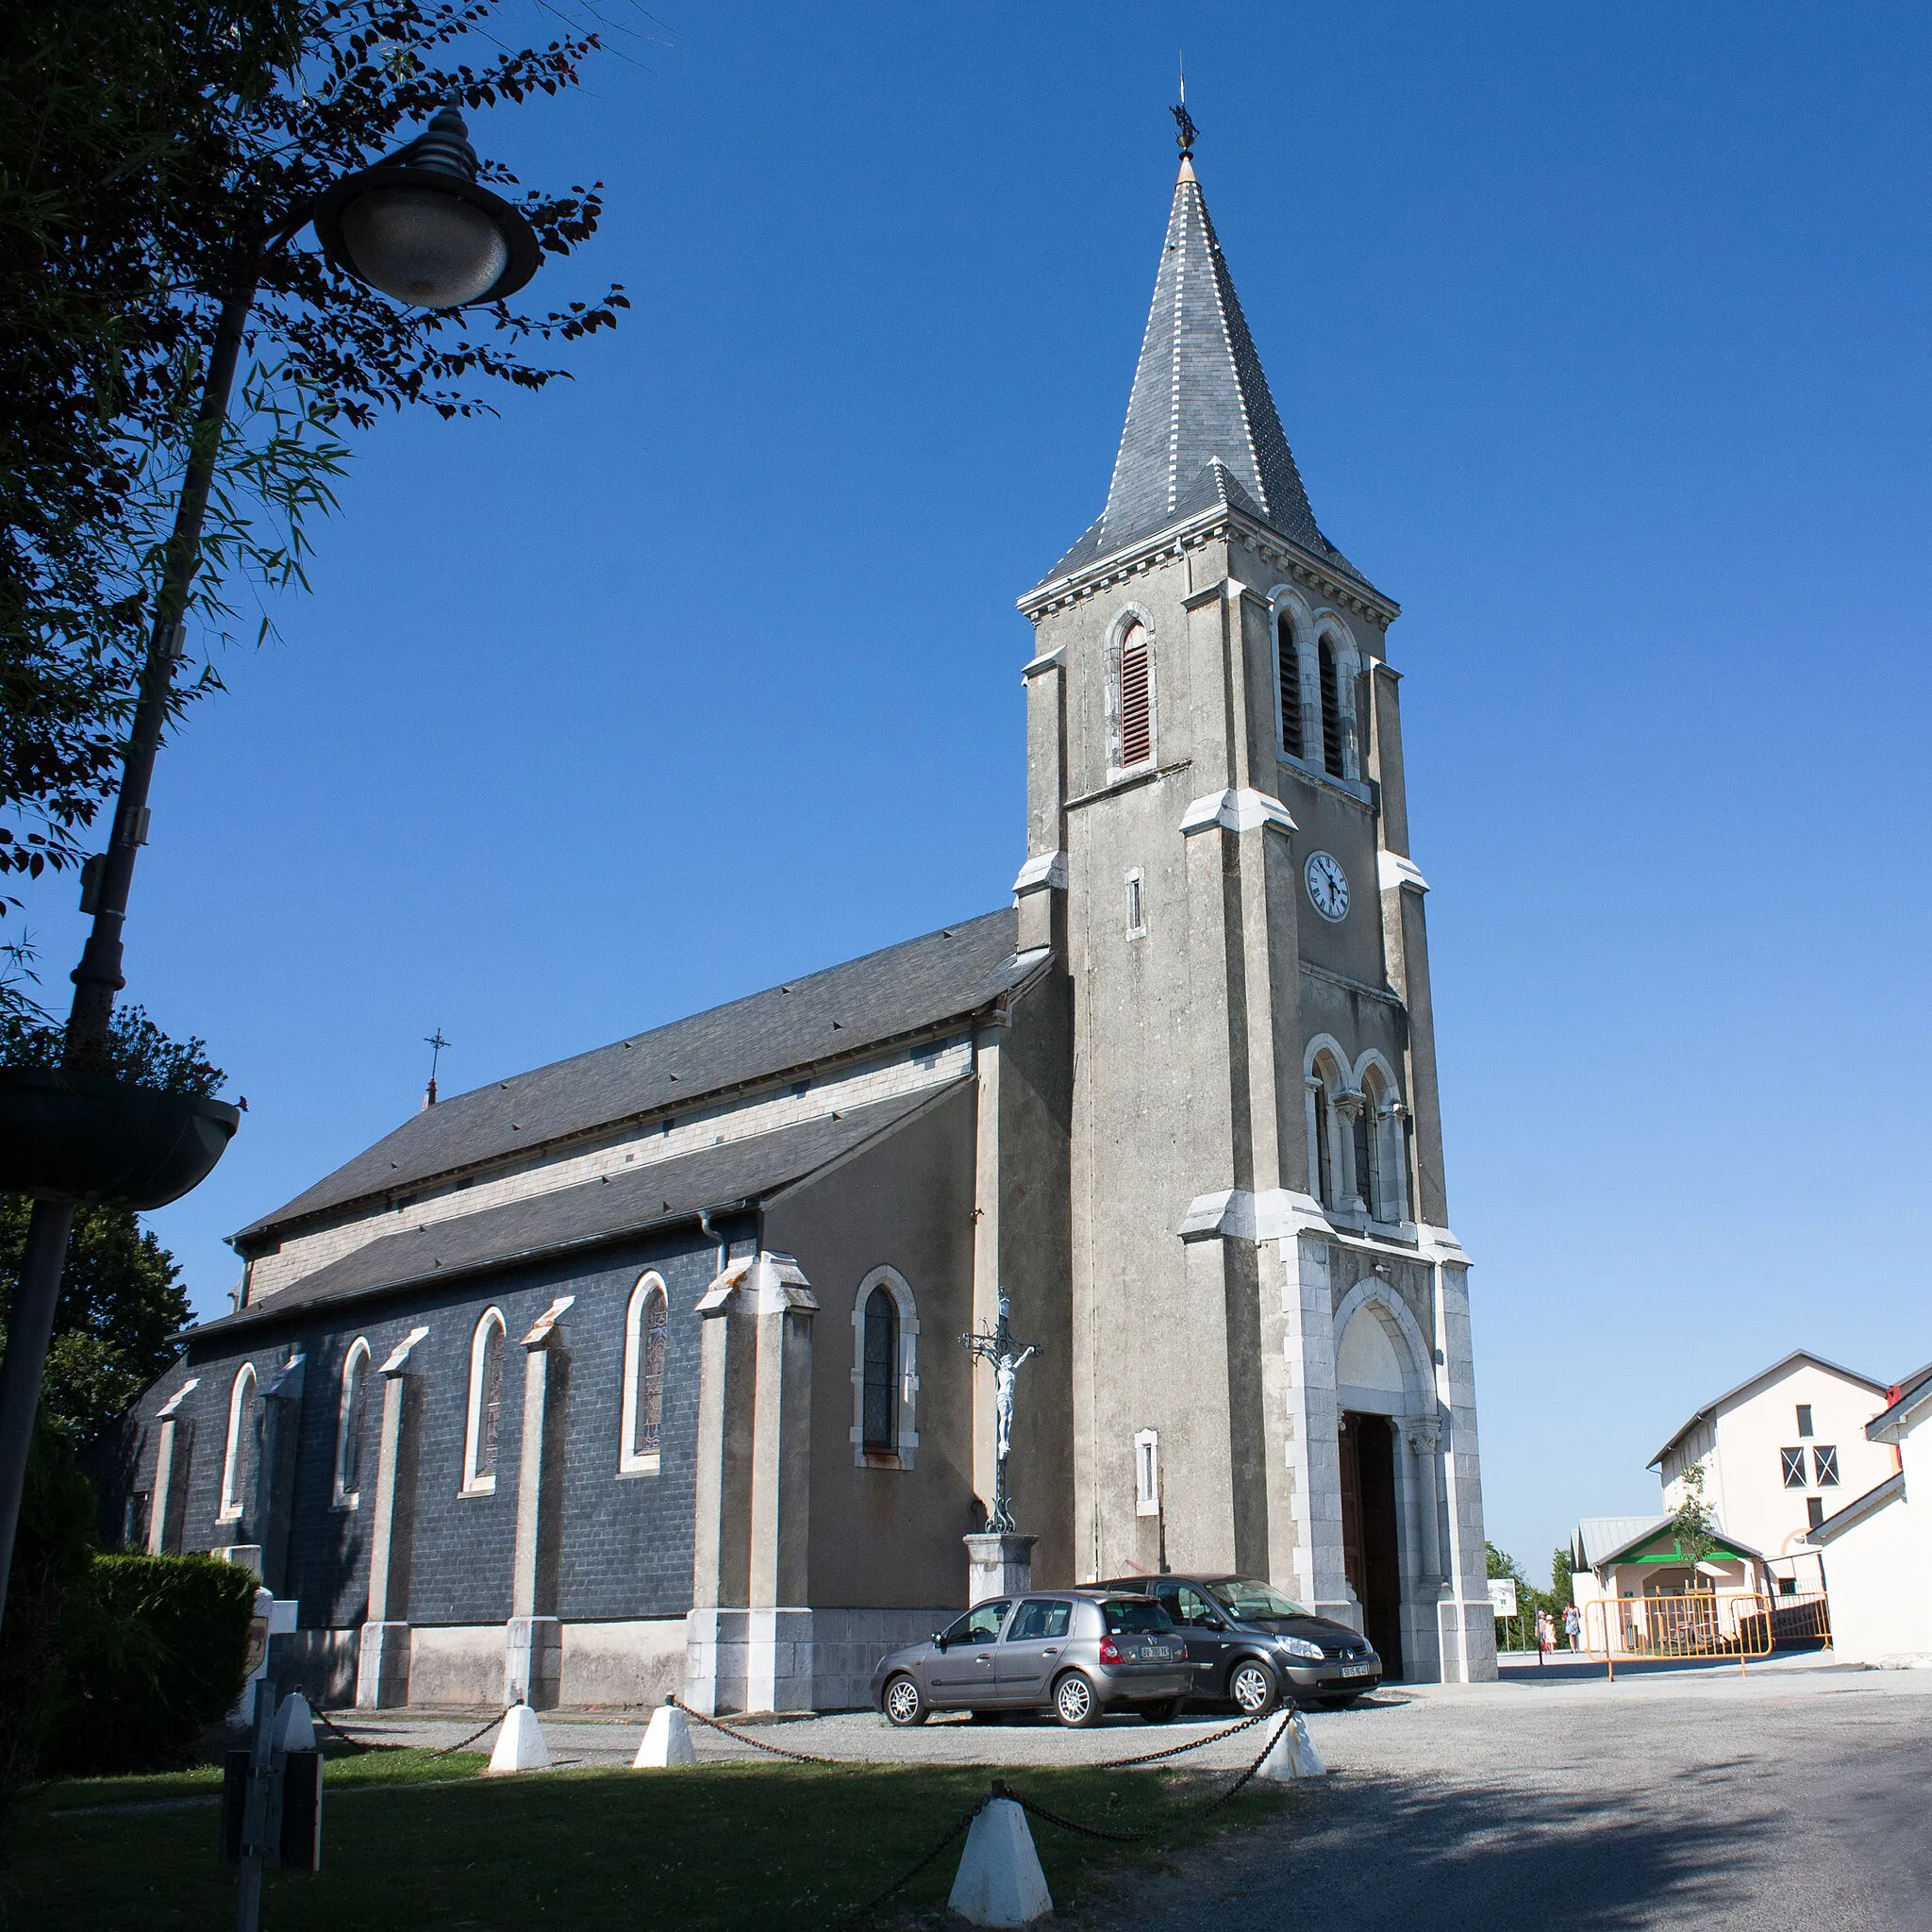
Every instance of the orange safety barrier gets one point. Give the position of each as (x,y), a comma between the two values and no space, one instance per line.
(1699,1624)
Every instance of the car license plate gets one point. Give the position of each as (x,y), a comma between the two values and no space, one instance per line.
(1356,1669)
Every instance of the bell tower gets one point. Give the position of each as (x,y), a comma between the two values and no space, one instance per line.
(1271,1359)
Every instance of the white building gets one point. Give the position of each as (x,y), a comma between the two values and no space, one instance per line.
(1780,1452)
(1878,1548)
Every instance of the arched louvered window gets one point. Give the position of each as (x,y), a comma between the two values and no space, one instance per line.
(486,1405)
(1135,698)
(646,1327)
(350,1416)
(1364,1127)
(879,1419)
(244,1430)
(1331,712)
(1324,1140)
(1290,667)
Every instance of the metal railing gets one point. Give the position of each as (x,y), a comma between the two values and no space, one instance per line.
(1697,1624)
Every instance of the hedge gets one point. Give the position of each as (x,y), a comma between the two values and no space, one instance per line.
(154,1655)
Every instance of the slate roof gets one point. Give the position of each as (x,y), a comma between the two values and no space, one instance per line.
(739,1173)
(903,990)
(1199,399)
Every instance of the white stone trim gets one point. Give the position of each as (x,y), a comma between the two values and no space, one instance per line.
(1043,869)
(474,1483)
(175,1400)
(631,1460)
(905,1452)
(781,1286)
(1054,659)
(400,1354)
(1242,811)
(232,1501)
(346,1498)
(540,1327)
(1393,869)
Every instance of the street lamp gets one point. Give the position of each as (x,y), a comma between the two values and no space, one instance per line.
(417,228)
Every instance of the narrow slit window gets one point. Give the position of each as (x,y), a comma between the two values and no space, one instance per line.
(1136,711)
(1290,663)
(1804,1418)
(1147,1473)
(1331,712)
(878,1426)
(238,1460)
(1137,914)
(1814,1511)
(1325,1153)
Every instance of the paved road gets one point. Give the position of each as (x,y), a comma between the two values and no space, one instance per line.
(1798,1800)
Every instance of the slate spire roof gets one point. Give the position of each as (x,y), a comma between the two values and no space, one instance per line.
(1201,425)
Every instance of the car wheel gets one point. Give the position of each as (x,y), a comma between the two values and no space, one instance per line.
(1163,1713)
(1253,1688)
(1074,1703)
(904,1702)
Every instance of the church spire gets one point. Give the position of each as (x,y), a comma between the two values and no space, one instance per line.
(1201,423)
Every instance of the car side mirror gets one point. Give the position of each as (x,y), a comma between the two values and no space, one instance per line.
(939,1640)
(1213,1624)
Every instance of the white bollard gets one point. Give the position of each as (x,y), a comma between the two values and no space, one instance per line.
(520,1744)
(1000,1882)
(666,1742)
(294,1725)
(1293,1755)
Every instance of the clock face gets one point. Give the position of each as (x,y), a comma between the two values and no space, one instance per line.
(1327,885)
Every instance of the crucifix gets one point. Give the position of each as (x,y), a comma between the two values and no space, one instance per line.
(436,1043)
(1004,1356)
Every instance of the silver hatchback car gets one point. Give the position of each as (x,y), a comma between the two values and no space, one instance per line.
(1076,1653)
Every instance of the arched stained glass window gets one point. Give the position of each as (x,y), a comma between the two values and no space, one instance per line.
(879,1424)
(350,1417)
(646,1327)
(486,1404)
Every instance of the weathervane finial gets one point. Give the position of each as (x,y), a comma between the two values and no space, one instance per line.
(1185,129)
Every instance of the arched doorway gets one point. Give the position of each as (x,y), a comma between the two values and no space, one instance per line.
(1368,1374)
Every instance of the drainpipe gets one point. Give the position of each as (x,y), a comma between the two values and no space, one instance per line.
(723,1244)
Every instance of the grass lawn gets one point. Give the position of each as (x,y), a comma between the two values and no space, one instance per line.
(411,1841)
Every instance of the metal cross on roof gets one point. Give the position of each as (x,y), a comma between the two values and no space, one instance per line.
(1183,121)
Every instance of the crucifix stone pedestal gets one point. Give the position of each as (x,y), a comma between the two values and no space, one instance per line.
(998,1564)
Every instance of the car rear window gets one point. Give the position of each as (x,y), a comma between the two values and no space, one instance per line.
(1134,1613)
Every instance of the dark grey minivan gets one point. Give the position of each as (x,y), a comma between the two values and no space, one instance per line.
(1252,1646)
(1076,1653)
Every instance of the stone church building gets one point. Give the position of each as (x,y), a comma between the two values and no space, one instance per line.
(643,1372)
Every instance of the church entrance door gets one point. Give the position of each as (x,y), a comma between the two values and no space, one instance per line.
(1368,1547)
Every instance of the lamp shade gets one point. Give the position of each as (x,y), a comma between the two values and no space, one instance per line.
(421,229)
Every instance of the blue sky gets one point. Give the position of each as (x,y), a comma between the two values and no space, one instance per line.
(1602,339)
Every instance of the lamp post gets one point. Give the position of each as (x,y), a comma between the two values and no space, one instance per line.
(419,227)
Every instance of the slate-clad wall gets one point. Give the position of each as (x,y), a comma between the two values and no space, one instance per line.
(625,1550)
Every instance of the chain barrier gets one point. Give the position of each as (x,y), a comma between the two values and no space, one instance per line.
(448,1749)
(759,1744)
(1001,1790)
(1247,1724)
(905,1877)
(335,1730)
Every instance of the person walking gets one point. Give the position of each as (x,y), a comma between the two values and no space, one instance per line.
(1545,1636)
(1572,1626)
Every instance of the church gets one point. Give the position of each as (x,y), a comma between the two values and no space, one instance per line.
(642,1373)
